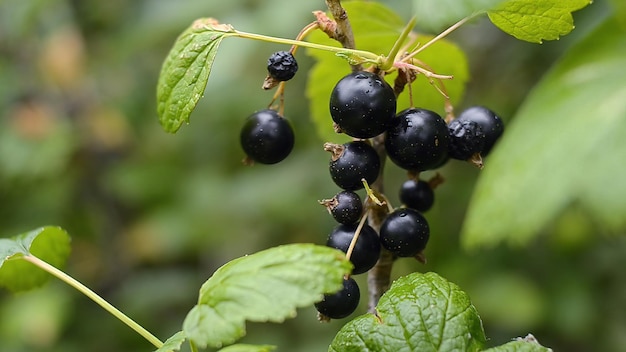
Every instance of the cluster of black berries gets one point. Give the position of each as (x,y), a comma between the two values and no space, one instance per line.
(363,105)
(266,136)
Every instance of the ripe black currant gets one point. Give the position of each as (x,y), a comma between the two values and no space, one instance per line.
(417,140)
(417,194)
(282,66)
(366,250)
(466,139)
(404,232)
(352,162)
(491,124)
(361,104)
(346,207)
(267,137)
(341,303)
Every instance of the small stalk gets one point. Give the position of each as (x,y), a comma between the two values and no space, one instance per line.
(388,63)
(365,55)
(94,297)
(438,37)
(357,232)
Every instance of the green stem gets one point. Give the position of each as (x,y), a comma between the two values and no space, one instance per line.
(388,63)
(94,297)
(439,36)
(193,346)
(368,56)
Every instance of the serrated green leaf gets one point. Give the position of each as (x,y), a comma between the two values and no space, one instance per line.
(565,146)
(186,70)
(266,286)
(173,343)
(435,15)
(520,346)
(535,21)
(420,312)
(248,348)
(51,244)
(376,28)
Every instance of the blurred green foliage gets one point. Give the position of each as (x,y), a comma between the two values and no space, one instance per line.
(81,148)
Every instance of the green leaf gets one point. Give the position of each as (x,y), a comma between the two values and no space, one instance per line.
(173,343)
(376,29)
(266,286)
(528,344)
(536,20)
(619,8)
(248,348)
(565,147)
(435,15)
(51,244)
(420,312)
(186,70)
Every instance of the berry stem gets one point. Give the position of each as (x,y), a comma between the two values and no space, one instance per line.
(370,193)
(94,297)
(438,37)
(304,32)
(357,232)
(391,57)
(357,55)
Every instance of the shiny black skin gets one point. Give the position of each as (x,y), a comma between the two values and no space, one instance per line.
(362,104)
(417,140)
(357,161)
(282,66)
(266,137)
(342,303)
(417,194)
(349,207)
(366,250)
(405,232)
(466,139)
(491,124)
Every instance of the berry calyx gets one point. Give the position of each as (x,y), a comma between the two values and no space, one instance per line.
(404,232)
(346,207)
(466,139)
(352,162)
(417,140)
(282,66)
(361,104)
(417,194)
(366,249)
(342,303)
(267,137)
(492,126)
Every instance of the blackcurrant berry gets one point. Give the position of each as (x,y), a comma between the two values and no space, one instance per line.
(341,303)
(404,232)
(352,162)
(417,194)
(282,66)
(417,140)
(266,137)
(466,139)
(491,124)
(361,104)
(345,207)
(366,250)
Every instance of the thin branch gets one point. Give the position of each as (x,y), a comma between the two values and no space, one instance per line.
(379,277)
(343,31)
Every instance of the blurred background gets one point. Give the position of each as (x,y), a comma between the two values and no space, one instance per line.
(152,215)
